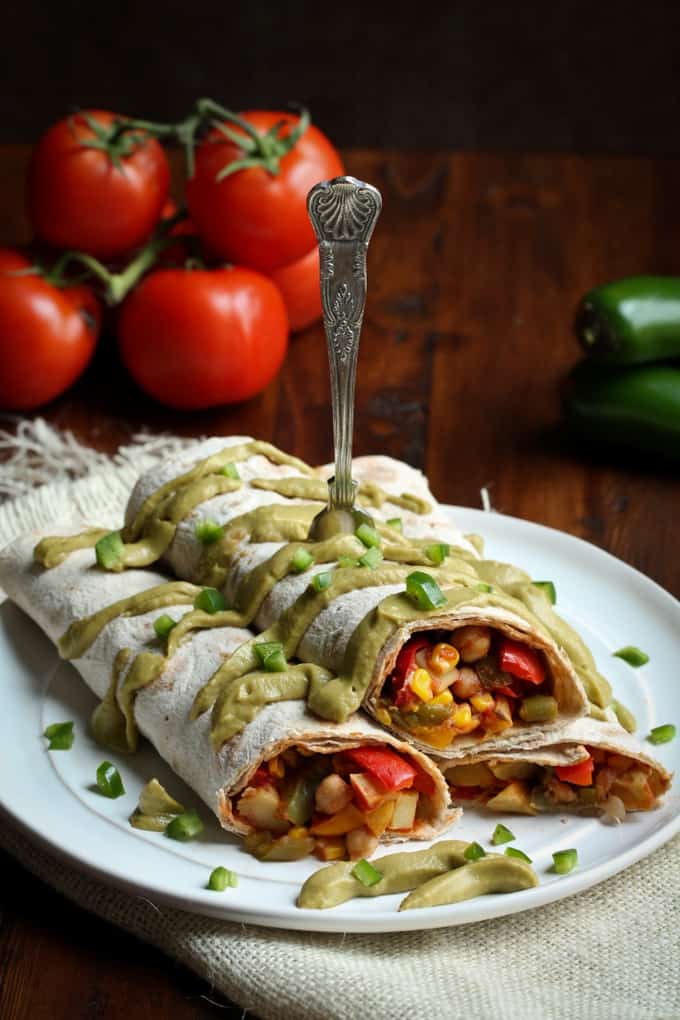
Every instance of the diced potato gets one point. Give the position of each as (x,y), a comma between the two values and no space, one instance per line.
(261,806)
(367,791)
(514,770)
(634,790)
(514,799)
(404,811)
(379,819)
(330,848)
(337,825)
(470,775)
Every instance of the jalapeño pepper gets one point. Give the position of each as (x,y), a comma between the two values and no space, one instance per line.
(631,321)
(636,408)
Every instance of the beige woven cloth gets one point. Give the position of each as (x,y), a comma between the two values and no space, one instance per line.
(612,953)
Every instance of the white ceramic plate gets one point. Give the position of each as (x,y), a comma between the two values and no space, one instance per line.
(50,794)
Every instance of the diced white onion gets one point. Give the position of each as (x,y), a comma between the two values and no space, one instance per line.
(614,810)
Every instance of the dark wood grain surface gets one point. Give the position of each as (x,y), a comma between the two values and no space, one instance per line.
(474,270)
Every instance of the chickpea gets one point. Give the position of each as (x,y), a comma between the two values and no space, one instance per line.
(360,843)
(332,795)
(466,684)
(473,643)
(261,807)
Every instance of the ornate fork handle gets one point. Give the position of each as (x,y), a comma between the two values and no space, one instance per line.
(343,213)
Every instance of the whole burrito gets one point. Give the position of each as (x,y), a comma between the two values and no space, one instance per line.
(597,768)
(290,782)
(495,663)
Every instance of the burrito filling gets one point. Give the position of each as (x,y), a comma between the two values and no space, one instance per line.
(605,780)
(337,806)
(470,680)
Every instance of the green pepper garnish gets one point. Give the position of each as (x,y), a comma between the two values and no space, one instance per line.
(109,550)
(396,523)
(301,560)
(501,834)
(209,531)
(184,827)
(210,600)
(371,558)
(230,470)
(322,580)
(632,655)
(270,654)
(513,851)
(365,873)
(368,535)
(163,625)
(424,590)
(549,588)
(564,861)
(109,782)
(483,586)
(437,552)
(60,736)
(662,734)
(474,852)
(221,879)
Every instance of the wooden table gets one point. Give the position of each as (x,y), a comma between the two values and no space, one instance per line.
(474,271)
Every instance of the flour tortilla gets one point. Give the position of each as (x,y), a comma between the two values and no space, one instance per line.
(574,738)
(77,588)
(567,687)
(328,636)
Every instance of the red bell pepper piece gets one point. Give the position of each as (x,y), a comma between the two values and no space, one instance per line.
(520,661)
(507,691)
(424,783)
(406,660)
(406,664)
(580,774)
(261,778)
(388,767)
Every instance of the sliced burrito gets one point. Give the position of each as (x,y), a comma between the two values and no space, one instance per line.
(597,768)
(494,664)
(291,783)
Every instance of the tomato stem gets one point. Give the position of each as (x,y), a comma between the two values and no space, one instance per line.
(265,150)
(117,286)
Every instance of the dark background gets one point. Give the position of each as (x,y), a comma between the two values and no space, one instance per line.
(587,77)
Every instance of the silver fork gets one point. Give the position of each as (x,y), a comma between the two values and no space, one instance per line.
(343,213)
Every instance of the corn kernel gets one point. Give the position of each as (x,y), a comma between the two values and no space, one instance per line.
(463,719)
(276,768)
(421,684)
(443,658)
(383,716)
(445,698)
(298,832)
(482,702)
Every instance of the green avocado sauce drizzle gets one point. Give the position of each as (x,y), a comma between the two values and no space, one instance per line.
(239,689)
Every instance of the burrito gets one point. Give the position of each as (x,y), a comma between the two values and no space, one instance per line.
(289,782)
(597,768)
(437,644)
